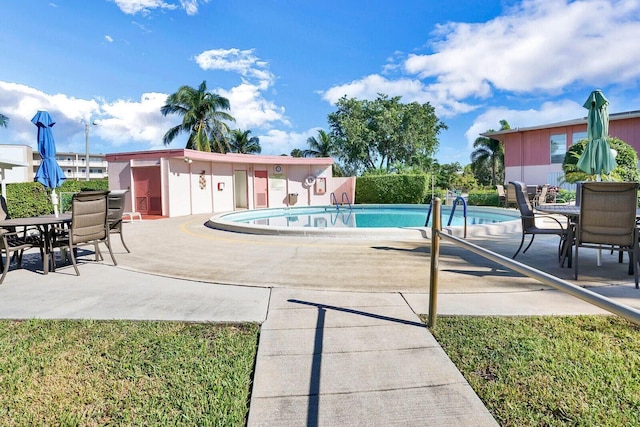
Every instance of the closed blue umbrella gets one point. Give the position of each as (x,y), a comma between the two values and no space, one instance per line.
(597,157)
(49,173)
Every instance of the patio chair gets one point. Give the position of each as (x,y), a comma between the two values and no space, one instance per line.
(541,197)
(528,218)
(608,217)
(511,195)
(14,243)
(116,211)
(89,225)
(502,196)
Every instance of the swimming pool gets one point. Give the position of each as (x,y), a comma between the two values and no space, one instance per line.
(361,220)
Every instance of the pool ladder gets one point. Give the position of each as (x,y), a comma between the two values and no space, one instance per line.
(453,211)
(334,200)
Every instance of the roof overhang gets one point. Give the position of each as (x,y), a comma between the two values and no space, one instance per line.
(581,121)
(195,155)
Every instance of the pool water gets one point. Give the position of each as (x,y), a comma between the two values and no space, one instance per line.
(366,216)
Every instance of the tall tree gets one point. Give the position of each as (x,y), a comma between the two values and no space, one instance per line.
(490,152)
(4,120)
(242,143)
(322,146)
(384,132)
(202,118)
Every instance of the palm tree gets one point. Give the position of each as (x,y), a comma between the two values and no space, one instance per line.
(4,121)
(241,143)
(491,151)
(202,118)
(322,146)
(296,152)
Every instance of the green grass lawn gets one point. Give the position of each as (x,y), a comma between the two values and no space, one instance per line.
(549,371)
(125,373)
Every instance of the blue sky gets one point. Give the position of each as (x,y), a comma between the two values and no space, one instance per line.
(283,64)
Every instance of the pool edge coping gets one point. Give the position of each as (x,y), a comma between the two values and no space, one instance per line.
(217,223)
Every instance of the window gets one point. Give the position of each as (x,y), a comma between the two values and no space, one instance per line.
(577,137)
(558,148)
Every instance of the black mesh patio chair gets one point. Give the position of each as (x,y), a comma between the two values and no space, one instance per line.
(13,243)
(529,224)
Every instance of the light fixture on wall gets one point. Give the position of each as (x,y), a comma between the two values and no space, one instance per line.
(188,160)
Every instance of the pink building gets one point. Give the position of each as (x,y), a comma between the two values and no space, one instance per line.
(534,155)
(184,182)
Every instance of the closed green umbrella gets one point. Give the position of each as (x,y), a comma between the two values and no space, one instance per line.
(597,157)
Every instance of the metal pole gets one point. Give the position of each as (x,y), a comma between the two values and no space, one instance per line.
(436,227)
(86,146)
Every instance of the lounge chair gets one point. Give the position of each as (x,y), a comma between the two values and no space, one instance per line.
(528,218)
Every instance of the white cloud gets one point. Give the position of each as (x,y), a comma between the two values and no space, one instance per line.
(191,6)
(277,142)
(119,122)
(144,7)
(243,62)
(135,123)
(549,112)
(21,103)
(411,90)
(126,121)
(108,38)
(248,105)
(539,45)
(251,109)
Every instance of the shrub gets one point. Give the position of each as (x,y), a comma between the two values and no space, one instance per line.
(385,189)
(626,159)
(25,199)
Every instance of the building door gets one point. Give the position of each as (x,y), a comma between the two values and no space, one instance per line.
(147,190)
(260,189)
(240,189)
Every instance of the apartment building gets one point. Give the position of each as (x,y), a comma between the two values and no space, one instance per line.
(74,165)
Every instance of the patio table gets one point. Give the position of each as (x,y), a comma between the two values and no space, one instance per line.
(45,224)
(572,212)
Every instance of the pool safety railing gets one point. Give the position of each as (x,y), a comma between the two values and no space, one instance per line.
(453,211)
(344,216)
(629,313)
(334,200)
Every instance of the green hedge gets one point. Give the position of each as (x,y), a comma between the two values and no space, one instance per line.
(483,198)
(391,189)
(26,199)
(383,189)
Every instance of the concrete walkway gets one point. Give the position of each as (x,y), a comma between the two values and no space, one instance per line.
(341,343)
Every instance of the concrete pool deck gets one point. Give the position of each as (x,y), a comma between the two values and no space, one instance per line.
(341,342)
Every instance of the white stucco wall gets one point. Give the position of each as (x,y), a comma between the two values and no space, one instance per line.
(531,175)
(120,179)
(179,188)
(18,154)
(222,199)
